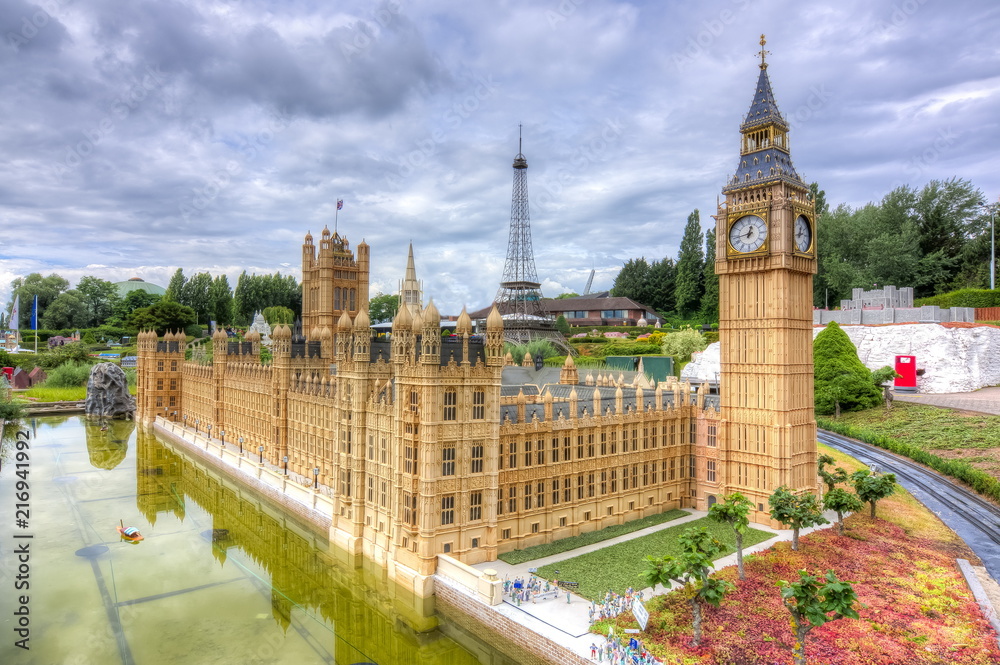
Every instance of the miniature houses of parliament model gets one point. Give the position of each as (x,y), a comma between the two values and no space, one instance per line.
(432,446)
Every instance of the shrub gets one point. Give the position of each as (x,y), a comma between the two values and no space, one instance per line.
(683,343)
(194,330)
(963,298)
(68,375)
(60,355)
(627,349)
(10,410)
(842,382)
(535,348)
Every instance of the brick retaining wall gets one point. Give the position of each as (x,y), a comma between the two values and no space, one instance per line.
(502,633)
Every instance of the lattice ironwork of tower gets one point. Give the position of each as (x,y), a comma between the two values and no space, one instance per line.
(519,298)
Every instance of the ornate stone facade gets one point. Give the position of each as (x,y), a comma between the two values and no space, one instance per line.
(426,451)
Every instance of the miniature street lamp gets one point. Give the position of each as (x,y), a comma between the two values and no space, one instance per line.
(222,435)
(196,421)
(316,478)
(185,420)
(241,446)
(285,459)
(261,449)
(209,432)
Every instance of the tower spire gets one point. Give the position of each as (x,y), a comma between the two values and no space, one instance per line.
(762,52)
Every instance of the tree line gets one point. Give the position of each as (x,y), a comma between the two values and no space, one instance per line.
(195,300)
(935,239)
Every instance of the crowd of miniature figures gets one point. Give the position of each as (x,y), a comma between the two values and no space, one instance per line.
(614,652)
(613,605)
(533,589)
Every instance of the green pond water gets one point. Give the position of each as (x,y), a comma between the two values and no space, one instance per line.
(223,575)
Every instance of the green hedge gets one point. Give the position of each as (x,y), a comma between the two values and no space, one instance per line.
(588,340)
(584,362)
(980,481)
(963,298)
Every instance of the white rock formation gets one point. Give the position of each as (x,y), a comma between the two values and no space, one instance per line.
(954,360)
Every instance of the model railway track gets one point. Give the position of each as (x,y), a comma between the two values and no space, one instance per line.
(974,518)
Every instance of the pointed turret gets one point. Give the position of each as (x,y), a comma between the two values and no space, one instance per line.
(410,289)
(765,154)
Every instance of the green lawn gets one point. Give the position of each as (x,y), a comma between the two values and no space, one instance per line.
(566,544)
(618,567)
(44,394)
(929,427)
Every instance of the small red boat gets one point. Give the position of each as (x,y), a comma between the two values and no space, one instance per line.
(129,533)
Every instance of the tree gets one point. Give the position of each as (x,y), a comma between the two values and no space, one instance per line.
(562,325)
(690,268)
(163,316)
(74,353)
(100,296)
(692,569)
(632,280)
(841,380)
(175,289)
(133,300)
(196,294)
(872,487)
(383,307)
(683,343)
(221,297)
(831,479)
(662,285)
(734,511)
(819,198)
(812,604)
(68,310)
(569,294)
(710,300)
(841,501)
(46,288)
(795,511)
(881,377)
(254,293)
(276,315)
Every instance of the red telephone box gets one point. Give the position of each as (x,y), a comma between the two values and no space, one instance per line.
(906,367)
(9,373)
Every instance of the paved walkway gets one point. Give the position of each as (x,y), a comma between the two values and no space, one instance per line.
(984,400)
(568,623)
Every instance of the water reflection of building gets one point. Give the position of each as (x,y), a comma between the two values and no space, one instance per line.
(107,444)
(388,623)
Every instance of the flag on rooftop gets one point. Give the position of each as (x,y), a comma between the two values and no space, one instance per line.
(340,204)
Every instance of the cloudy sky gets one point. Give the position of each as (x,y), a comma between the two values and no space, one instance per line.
(138,137)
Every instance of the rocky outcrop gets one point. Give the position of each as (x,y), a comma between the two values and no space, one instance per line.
(107,392)
(954,359)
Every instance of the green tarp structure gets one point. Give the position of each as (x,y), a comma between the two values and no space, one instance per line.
(657,368)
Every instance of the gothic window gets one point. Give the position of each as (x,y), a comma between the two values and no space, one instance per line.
(579,487)
(527,453)
(767,158)
(710,473)
(746,178)
(500,501)
(513,455)
(336,298)
(448,461)
(159,365)
(555,450)
(512,499)
(371,489)
(414,400)
(713,435)
(604,483)
(691,466)
(653,470)
(448,509)
(566,449)
(555,492)
(590,484)
(450,400)
(759,173)
(475,506)
(173,365)
(353,296)
(540,495)
(755,160)
(478,404)
(384,495)
(527,496)
(540,452)
(477,459)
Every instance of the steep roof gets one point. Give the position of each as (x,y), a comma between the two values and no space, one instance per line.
(763,108)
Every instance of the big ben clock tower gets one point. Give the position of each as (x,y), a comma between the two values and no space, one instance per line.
(765,259)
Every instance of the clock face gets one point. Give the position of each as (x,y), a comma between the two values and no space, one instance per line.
(748,233)
(803,234)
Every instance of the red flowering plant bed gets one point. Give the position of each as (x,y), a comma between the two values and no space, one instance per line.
(915,607)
